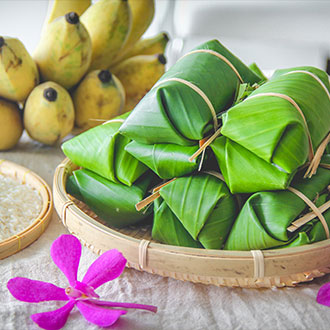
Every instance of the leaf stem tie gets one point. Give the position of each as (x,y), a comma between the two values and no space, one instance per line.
(143,250)
(259,264)
(199,92)
(216,174)
(221,57)
(319,152)
(313,76)
(292,101)
(315,162)
(327,166)
(113,121)
(205,144)
(316,211)
(155,194)
(197,89)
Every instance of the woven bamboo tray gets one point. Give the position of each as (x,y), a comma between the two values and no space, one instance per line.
(255,269)
(24,238)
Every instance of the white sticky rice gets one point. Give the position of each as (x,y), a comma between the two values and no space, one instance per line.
(20,205)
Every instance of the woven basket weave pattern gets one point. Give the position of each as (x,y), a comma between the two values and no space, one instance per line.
(282,267)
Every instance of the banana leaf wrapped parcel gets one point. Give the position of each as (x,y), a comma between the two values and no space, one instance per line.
(166,160)
(263,221)
(168,229)
(113,202)
(274,131)
(102,150)
(182,106)
(202,204)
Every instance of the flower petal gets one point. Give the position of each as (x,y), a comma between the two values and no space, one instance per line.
(102,317)
(28,290)
(103,303)
(105,268)
(323,296)
(66,252)
(53,320)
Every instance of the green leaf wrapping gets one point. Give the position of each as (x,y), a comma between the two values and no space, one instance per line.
(264,218)
(174,113)
(166,160)
(244,171)
(102,150)
(168,229)
(204,206)
(113,202)
(273,133)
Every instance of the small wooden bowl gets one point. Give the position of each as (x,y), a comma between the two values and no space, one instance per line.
(24,238)
(269,268)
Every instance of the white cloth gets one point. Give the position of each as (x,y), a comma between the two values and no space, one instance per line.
(181,305)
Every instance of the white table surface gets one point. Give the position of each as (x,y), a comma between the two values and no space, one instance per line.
(181,305)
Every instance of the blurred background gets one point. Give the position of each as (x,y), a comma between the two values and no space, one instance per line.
(272,33)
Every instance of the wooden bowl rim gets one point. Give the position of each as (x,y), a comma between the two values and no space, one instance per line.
(30,233)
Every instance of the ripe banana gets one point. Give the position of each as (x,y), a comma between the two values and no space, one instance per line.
(108,23)
(49,113)
(149,46)
(142,14)
(99,97)
(64,51)
(138,74)
(18,71)
(11,126)
(57,8)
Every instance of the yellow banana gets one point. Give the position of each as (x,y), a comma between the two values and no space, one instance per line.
(142,14)
(49,113)
(138,74)
(18,71)
(108,23)
(57,8)
(11,126)
(64,52)
(148,46)
(99,97)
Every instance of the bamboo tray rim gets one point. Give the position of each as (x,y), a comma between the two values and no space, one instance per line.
(186,250)
(24,238)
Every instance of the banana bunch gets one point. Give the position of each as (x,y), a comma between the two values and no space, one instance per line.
(100,95)
(92,63)
(18,72)
(138,74)
(64,52)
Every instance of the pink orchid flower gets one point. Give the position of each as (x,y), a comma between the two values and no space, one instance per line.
(66,252)
(323,296)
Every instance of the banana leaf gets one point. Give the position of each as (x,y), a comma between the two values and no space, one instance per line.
(102,150)
(255,68)
(264,218)
(265,138)
(113,202)
(313,231)
(173,112)
(166,160)
(204,206)
(168,229)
